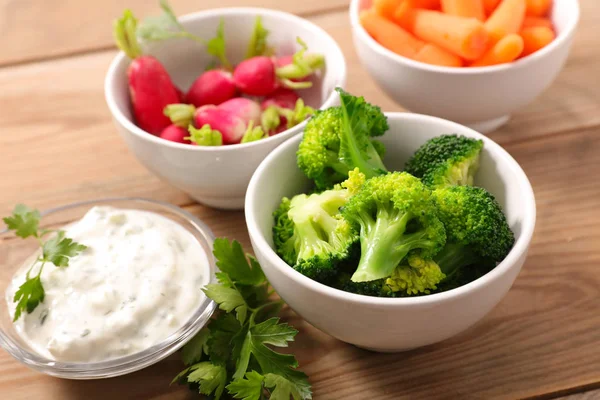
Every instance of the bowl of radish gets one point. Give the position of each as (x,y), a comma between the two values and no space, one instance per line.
(474,62)
(202,99)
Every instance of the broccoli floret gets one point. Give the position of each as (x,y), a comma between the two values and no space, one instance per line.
(413,276)
(395,215)
(446,160)
(310,233)
(478,235)
(338,139)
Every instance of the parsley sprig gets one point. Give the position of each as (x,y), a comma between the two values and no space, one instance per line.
(234,352)
(57,250)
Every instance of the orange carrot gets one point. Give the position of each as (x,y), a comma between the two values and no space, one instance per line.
(390,35)
(426,4)
(490,5)
(432,54)
(386,8)
(464,37)
(535,38)
(508,49)
(464,8)
(531,21)
(538,8)
(507,18)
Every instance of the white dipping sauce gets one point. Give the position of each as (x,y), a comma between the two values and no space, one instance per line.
(139,281)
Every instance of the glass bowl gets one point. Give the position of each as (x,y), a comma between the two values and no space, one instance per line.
(14,251)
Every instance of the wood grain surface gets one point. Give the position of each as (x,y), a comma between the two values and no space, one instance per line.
(542,341)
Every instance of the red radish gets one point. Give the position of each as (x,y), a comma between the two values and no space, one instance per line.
(175,133)
(231,126)
(260,76)
(212,87)
(246,109)
(150,85)
(256,76)
(180,94)
(282,97)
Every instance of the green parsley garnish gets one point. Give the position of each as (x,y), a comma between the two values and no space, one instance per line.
(234,352)
(57,250)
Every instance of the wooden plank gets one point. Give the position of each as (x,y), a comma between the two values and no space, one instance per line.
(38,29)
(591,395)
(542,338)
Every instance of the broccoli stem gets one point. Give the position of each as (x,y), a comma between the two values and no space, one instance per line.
(381,244)
(455,256)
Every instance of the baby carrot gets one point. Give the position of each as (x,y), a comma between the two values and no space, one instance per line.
(507,18)
(507,49)
(390,35)
(538,8)
(490,5)
(464,8)
(465,37)
(531,21)
(432,54)
(386,8)
(535,38)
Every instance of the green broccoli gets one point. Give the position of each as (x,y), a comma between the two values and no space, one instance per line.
(310,233)
(446,160)
(338,139)
(478,235)
(395,215)
(413,276)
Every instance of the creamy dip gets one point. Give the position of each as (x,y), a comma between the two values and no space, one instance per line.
(139,281)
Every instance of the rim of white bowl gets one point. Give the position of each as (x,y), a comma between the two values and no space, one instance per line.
(558,41)
(519,249)
(132,127)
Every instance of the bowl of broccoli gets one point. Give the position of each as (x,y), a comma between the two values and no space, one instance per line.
(390,231)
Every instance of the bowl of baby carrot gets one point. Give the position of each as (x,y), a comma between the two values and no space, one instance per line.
(474,62)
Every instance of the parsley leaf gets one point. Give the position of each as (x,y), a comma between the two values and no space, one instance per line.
(258,41)
(24,221)
(216,46)
(210,377)
(284,388)
(222,341)
(195,348)
(248,388)
(238,336)
(59,249)
(228,299)
(232,261)
(29,295)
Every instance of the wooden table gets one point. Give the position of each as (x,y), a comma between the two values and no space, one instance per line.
(58,145)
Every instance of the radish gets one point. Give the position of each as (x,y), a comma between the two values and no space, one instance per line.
(175,133)
(259,76)
(150,86)
(180,94)
(230,125)
(212,87)
(205,136)
(246,109)
(282,97)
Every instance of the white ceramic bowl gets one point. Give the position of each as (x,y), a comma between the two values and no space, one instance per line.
(482,98)
(219,176)
(392,324)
